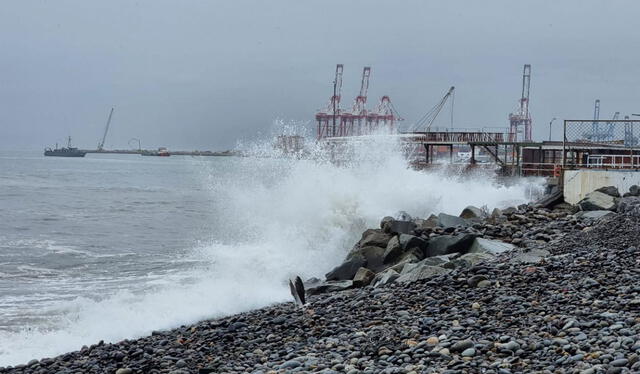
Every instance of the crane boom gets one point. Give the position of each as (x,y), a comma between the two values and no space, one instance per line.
(106,130)
(358,104)
(427,120)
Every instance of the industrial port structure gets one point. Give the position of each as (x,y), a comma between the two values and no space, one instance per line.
(586,143)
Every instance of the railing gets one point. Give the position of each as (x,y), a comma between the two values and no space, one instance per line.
(601,143)
(457,137)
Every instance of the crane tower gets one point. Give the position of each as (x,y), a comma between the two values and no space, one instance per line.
(520,121)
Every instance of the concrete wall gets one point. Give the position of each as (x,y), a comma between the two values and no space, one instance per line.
(578,183)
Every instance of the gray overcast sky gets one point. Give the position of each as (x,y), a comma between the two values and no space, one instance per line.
(202,74)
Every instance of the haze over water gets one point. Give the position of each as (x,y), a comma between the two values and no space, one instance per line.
(115,246)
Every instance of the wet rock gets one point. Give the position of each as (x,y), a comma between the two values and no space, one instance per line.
(428,223)
(347,269)
(385,277)
(461,345)
(411,241)
(481,245)
(392,251)
(449,221)
(629,205)
(375,238)
(609,190)
(421,272)
(363,277)
(597,200)
(594,214)
(447,244)
(470,259)
(330,286)
(633,191)
(472,212)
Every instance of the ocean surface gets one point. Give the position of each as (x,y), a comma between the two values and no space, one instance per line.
(109,247)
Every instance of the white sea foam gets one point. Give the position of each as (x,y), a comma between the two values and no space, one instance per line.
(277,218)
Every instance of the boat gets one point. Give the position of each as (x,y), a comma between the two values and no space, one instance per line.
(67,151)
(162,152)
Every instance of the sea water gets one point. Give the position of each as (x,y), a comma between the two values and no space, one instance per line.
(110,247)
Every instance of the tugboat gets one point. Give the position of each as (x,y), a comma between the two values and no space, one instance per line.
(67,151)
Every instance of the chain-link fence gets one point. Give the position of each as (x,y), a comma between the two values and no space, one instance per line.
(601,144)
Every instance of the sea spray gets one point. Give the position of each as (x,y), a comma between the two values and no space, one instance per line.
(275,216)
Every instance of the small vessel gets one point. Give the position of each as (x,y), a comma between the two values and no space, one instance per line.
(163,152)
(67,151)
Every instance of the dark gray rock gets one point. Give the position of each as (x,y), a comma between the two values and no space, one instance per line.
(593,214)
(629,205)
(375,238)
(447,221)
(410,241)
(633,191)
(363,277)
(481,245)
(347,269)
(386,277)
(472,212)
(609,190)
(421,271)
(402,227)
(330,286)
(597,200)
(470,259)
(446,244)
(393,250)
(374,257)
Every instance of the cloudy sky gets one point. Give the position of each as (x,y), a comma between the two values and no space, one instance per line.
(203,74)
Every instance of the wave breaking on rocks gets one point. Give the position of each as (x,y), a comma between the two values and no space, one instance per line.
(525,289)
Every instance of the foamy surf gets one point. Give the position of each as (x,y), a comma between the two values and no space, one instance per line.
(277,217)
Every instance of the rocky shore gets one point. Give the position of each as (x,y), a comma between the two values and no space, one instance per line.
(546,287)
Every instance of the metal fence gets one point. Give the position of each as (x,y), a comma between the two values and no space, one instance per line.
(601,144)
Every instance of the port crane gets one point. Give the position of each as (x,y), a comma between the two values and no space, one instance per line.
(521,120)
(106,130)
(427,120)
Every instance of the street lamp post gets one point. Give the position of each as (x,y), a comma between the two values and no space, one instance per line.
(550,122)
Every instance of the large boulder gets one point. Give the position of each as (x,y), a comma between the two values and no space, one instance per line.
(363,277)
(630,205)
(421,271)
(393,250)
(347,269)
(597,200)
(446,244)
(469,259)
(402,227)
(374,257)
(390,225)
(472,212)
(494,247)
(609,190)
(373,237)
(549,201)
(329,286)
(428,223)
(633,191)
(401,245)
(447,220)
(386,277)
(593,214)
(410,241)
